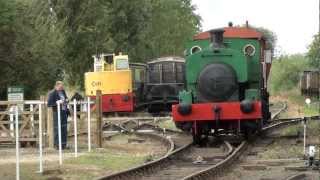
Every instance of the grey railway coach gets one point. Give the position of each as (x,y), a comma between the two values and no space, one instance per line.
(309,83)
(165,78)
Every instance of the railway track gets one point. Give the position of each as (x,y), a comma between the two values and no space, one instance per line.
(182,142)
(276,109)
(188,162)
(304,176)
(274,153)
(217,170)
(192,161)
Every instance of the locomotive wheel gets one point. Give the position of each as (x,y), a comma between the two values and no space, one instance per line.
(197,136)
(250,130)
(196,139)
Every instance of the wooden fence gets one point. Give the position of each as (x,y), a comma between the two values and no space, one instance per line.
(29,121)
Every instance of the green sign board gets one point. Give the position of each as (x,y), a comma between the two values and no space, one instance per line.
(15,93)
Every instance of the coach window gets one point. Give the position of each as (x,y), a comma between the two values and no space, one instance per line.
(139,75)
(154,73)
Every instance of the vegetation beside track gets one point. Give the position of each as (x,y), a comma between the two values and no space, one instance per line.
(296,104)
(109,159)
(284,85)
(119,153)
(168,124)
(86,166)
(285,72)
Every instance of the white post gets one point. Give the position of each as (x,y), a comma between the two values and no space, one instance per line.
(304,137)
(59,133)
(40,139)
(32,119)
(89,124)
(12,112)
(17,144)
(75,128)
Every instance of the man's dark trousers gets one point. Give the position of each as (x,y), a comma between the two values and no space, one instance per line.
(64,132)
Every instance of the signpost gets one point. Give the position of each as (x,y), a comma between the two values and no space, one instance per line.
(16,93)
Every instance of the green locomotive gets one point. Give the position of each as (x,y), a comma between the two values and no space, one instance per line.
(226,83)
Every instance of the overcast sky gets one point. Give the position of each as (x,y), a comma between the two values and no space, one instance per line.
(294,21)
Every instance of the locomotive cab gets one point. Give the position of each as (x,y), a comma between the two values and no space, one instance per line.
(110,62)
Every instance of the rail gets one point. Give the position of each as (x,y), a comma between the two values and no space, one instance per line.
(208,173)
(151,166)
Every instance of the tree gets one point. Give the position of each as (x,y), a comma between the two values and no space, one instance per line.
(44,41)
(173,23)
(314,52)
(143,29)
(30,48)
(7,38)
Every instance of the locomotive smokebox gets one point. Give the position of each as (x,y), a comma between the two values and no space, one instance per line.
(217,82)
(217,37)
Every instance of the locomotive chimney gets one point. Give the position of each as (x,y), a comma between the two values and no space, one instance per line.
(217,38)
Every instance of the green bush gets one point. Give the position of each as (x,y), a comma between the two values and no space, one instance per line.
(285,72)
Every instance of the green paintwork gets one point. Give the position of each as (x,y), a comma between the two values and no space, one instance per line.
(252,94)
(185,97)
(247,69)
(203,44)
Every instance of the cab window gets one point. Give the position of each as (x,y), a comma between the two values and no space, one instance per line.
(122,64)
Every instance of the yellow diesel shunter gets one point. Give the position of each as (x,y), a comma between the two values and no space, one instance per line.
(112,76)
